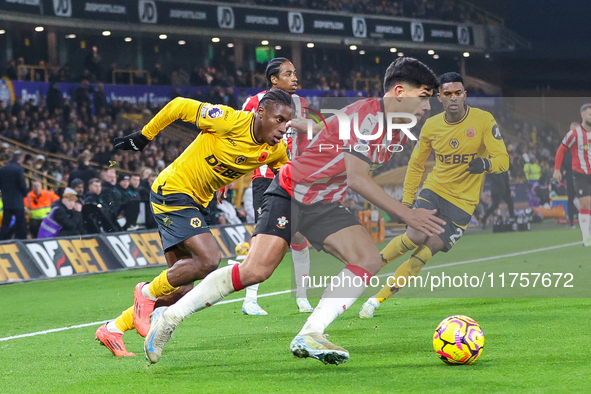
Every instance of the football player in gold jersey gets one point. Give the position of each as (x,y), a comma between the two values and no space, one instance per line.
(467,144)
(231,144)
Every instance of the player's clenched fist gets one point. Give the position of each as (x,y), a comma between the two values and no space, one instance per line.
(135,141)
(478,165)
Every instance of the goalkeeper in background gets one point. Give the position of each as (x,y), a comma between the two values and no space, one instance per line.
(467,144)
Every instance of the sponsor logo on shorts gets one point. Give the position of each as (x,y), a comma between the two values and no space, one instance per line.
(240,159)
(282,222)
(454,143)
(260,210)
(215,113)
(196,222)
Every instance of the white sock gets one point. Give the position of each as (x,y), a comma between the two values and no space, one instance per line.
(111,327)
(301,269)
(584,220)
(252,292)
(334,302)
(212,289)
(146,292)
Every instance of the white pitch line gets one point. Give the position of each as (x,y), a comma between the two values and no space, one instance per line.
(98,323)
(501,256)
(32,334)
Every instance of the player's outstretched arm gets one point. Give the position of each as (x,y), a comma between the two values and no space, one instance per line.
(179,108)
(359,180)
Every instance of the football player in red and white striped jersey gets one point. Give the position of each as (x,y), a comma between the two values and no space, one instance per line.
(408,85)
(280,74)
(578,140)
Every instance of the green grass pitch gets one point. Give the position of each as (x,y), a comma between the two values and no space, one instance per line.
(533,345)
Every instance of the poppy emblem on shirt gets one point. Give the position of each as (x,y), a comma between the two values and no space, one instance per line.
(282,222)
(470,133)
(263,157)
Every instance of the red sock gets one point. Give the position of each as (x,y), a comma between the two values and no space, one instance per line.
(301,246)
(236,282)
(361,272)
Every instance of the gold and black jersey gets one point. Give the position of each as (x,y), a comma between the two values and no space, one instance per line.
(455,145)
(225,150)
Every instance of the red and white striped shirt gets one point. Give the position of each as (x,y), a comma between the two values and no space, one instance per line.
(579,142)
(298,105)
(319,173)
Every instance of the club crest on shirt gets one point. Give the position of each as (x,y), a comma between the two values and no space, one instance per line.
(454,143)
(282,222)
(240,159)
(470,133)
(215,113)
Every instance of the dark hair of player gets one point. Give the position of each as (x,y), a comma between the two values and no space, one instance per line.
(411,71)
(277,96)
(273,68)
(451,77)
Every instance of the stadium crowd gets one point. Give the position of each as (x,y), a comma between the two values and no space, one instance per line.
(448,10)
(80,130)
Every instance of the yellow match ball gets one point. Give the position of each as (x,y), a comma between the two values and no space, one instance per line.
(242,249)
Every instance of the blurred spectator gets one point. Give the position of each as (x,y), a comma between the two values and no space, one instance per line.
(93,64)
(180,78)
(532,170)
(14,190)
(54,98)
(198,77)
(11,71)
(84,171)
(97,217)
(158,76)
(111,198)
(100,98)
(82,97)
(65,219)
(38,201)
(78,185)
(130,200)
